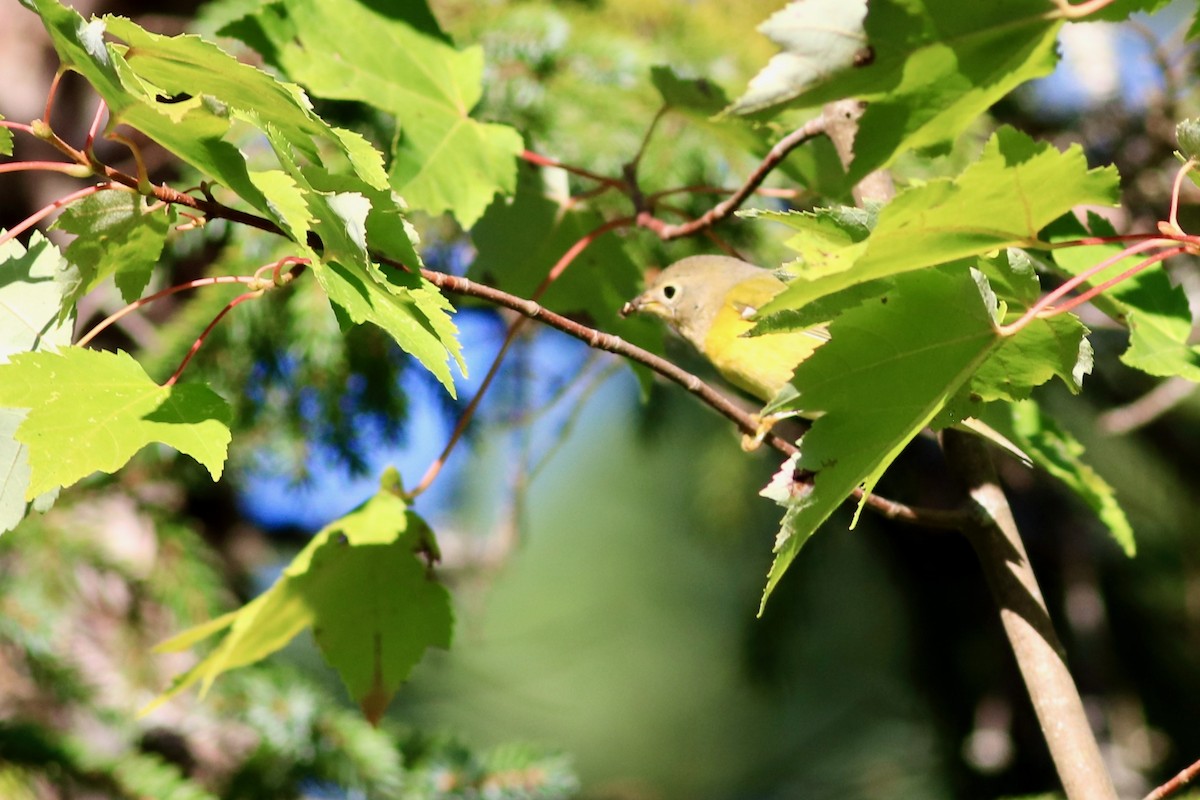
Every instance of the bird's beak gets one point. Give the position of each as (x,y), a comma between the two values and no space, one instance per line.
(633,306)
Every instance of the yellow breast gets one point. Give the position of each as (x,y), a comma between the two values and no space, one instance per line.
(761,365)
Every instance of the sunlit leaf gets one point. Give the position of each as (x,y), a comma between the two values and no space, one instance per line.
(89,410)
(931,69)
(818,39)
(1157,312)
(6,140)
(33,285)
(351,218)
(522,237)
(185,93)
(1017,187)
(393,58)
(1045,348)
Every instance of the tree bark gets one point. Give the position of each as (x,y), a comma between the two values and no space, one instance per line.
(1039,654)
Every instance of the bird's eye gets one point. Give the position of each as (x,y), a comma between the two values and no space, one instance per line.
(669,292)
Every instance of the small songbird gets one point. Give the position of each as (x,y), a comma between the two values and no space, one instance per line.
(710,301)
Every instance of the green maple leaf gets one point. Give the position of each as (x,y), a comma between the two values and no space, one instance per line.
(1045,348)
(6,140)
(186,93)
(1016,188)
(33,316)
(395,59)
(354,219)
(1061,455)
(887,371)
(520,239)
(930,71)
(362,587)
(90,410)
(116,236)
(1157,312)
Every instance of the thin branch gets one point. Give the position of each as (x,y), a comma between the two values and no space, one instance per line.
(183,287)
(725,208)
(196,345)
(993,534)
(1077,280)
(46,211)
(94,128)
(530,309)
(17,126)
(595,380)
(1079,300)
(166,194)
(510,336)
(1166,109)
(1147,408)
(468,413)
(745,421)
(546,161)
(765,191)
(632,166)
(1173,218)
(65,167)
(582,244)
(1175,784)
(51,94)
(143,176)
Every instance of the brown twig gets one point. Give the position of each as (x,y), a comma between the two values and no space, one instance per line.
(725,208)
(47,210)
(136,304)
(1147,408)
(545,161)
(196,345)
(1175,784)
(510,336)
(746,422)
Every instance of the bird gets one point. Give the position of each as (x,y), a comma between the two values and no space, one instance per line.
(711,301)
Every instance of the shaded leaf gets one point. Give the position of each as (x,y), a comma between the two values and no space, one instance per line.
(361,585)
(889,368)
(1060,454)
(691,94)
(116,236)
(521,238)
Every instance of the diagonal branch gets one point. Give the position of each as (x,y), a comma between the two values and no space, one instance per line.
(746,422)
(809,130)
